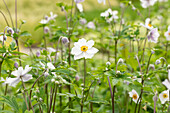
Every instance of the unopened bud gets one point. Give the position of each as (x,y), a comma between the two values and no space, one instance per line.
(83,21)
(65,40)
(77,78)
(56,82)
(52,80)
(108,63)
(46,30)
(40,99)
(120,60)
(10,30)
(38,53)
(157,61)
(152,66)
(16,64)
(34,96)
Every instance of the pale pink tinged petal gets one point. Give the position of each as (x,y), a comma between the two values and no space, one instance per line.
(166,34)
(27,77)
(92,50)
(12,81)
(166,83)
(135,100)
(76,51)
(90,43)
(130,94)
(26,70)
(78,56)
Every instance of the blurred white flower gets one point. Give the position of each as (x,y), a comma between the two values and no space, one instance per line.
(147,24)
(52,16)
(164,96)
(83,49)
(20,74)
(120,60)
(134,95)
(167,34)
(43,21)
(50,50)
(110,15)
(100,1)
(153,35)
(91,25)
(147,3)
(158,61)
(162,0)
(80,7)
(166,82)
(83,21)
(78,1)
(108,63)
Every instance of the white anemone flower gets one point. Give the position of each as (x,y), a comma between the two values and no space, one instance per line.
(147,3)
(83,49)
(50,50)
(164,96)
(91,25)
(134,95)
(153,35)
(78,1)
(20,74)
(110,15)
(100,1)
(50,66)
(167,34)
(52,16)
(43,21)
(147,24)
(166,82)
(80,7)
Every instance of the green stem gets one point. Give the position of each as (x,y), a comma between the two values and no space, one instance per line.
(116,51)
(54,99)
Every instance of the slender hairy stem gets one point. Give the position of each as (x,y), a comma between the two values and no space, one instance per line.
(109,4)
(116,51)
(9,13)
(4,18)
(51,98)
(55,98)
(16,14)
(111,94)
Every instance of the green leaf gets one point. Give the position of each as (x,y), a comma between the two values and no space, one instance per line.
(11,101)
(8,64)
(115,81)
(2,50)
(25,34)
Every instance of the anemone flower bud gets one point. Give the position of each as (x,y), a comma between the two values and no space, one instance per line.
(38,53)
(118,72)
(10,31)
(65,40)
(16,64)
(108,63)
(77,78)
(153,52)
(46,17)
(152,66)
(46,30)
(157,61)
(120,60)
(40,99)
(57,82)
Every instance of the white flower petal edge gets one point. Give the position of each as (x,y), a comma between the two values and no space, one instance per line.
(167,34)
(50,66)
(153,35)
(164,96)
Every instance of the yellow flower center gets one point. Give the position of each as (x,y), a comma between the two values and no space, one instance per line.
(169,34)
(165,96)
(84,48)
(149,25)
(134,96)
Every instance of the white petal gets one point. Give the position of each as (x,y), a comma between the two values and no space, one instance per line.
(12,81)
(80,7)
(90,43)
(78,56)
(27,77)
(147,21)
(50,66)
(81,42)
(87,55)
(15,73)
(169,74)
(92,50)
(76,51)
(26,70)
(166,83)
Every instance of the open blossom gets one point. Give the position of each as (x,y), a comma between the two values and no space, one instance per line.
(134,95)
(91,25)
(166,82)
(52,16)
(78,1)
(80,7)
(100,1)
(83,49)
(147,3)
(43,21)
(164,96)
(167,34)
(153,35)
(147,24)
(20,74)
(110,15)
